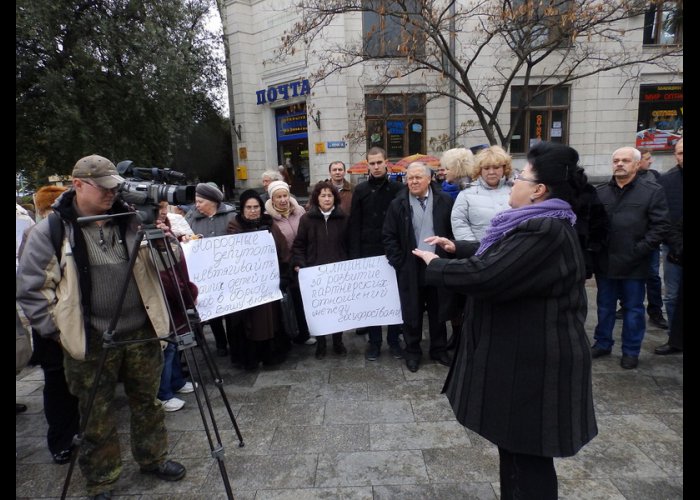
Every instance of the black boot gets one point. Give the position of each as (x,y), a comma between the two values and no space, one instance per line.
(320,347)
(338,346)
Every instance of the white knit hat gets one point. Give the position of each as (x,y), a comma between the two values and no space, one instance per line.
(275,186)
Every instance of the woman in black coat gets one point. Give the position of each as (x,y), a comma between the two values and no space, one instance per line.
(321,239)
(259,338)
(522,374)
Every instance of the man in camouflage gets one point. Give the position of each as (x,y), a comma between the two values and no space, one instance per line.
(73,301)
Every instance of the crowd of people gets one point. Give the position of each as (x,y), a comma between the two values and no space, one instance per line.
(503,255)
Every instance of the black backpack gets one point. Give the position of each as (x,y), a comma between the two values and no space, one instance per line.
(56,232)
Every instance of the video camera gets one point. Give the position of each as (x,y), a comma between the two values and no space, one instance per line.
(145,188)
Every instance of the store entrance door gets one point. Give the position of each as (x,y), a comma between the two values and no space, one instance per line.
(294,155)
(293,146)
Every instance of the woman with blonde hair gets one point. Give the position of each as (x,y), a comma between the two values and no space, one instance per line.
(458,163)
(488,194)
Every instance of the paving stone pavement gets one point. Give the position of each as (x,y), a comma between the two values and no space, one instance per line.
(347,428)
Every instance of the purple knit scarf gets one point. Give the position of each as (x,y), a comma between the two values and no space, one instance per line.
(504,222)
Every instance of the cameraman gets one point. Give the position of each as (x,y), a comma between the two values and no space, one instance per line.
(72,302)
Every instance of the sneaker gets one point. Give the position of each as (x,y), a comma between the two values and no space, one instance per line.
(396,351)
(310,341)
(187,388)
(372,352)
(62,457)
(172,404)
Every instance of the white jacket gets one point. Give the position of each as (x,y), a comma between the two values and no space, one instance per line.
(475,206)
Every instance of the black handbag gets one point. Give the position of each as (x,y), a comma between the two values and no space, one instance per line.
(289,318)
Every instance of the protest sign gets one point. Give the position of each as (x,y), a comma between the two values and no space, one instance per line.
(350,294)
(233,272)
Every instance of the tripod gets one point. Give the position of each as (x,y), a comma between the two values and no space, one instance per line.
(163,258)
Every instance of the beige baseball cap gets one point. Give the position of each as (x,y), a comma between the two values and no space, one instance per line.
(99,169)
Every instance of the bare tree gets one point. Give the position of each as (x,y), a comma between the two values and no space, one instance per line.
(540,44)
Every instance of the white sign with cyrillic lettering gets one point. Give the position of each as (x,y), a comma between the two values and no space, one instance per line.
(350,294)
(233,272)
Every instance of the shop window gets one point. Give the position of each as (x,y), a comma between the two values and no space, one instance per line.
(660,122)
(663,23)
(546,117)
(396,122)
(387,28)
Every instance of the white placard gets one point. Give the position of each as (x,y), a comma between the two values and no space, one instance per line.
(350,294)
(233,272)
(555,132)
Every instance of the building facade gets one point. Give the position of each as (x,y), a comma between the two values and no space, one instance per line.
(284,115)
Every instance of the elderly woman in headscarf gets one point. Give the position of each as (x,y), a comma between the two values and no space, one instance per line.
(260,324)
(210,217)
(286,214)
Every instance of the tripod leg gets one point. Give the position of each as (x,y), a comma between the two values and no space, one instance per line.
(218,381)
(217,449)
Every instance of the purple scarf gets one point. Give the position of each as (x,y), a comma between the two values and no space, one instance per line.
(506,221)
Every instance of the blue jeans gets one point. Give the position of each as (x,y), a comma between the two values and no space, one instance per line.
(631,293)
(171,378)
(673,273)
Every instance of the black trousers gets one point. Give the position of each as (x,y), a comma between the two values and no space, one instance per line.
(60,406)
(675,333)
(223,336)
(299,312)
(428,302)
(527,477)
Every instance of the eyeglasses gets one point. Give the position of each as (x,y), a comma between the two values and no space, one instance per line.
(103,190)
(519,177)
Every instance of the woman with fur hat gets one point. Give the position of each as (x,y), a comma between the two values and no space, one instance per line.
(260,324)
(210,217)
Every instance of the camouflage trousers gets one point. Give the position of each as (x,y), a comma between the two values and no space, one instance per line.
(139,365)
